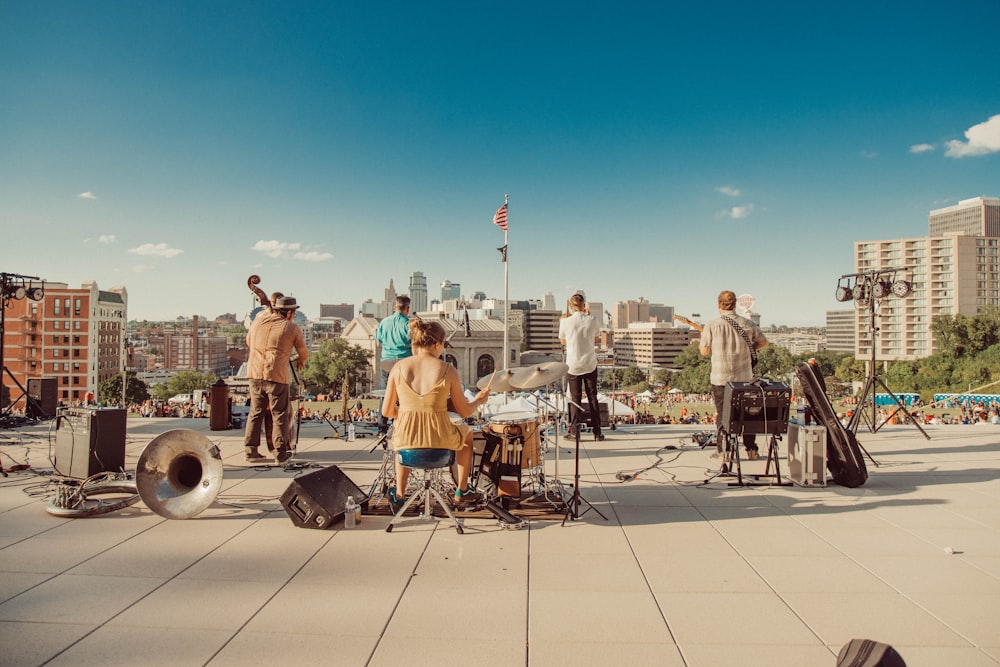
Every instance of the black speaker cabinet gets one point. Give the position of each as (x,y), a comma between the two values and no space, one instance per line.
(43,393)
(317,500)
(756,407)
(602,409)
(89,441)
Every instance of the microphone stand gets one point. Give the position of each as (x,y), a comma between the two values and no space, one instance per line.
(573,505)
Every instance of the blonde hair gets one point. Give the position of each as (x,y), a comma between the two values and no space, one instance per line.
(426,333)
(574,303)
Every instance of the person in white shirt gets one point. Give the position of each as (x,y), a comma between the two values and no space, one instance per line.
(578,331)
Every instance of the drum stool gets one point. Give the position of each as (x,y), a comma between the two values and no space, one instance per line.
(431,462)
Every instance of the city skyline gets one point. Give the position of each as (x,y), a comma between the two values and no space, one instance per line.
(655,151)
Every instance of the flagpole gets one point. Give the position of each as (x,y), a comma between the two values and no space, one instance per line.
(506,297)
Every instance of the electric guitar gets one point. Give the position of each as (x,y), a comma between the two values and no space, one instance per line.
(688,322)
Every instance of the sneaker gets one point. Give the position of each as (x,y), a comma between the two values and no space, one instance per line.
(752,455)
(258,458)
(467,496)
(395,504)
(598,437)
(284,455)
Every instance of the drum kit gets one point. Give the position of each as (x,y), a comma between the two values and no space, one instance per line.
(512,444)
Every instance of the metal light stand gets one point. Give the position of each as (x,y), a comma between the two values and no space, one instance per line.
(7,282)
(868,392)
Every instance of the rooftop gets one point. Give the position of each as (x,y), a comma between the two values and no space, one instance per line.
(680,573)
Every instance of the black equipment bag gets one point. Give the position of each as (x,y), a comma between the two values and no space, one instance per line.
(843,454)
(868,653)
(500,466)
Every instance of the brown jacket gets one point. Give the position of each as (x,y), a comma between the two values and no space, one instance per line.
(270,340)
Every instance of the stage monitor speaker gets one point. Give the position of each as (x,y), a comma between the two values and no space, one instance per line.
(44,394)
(602,409)
(317,500)
(756,407)
(89,441)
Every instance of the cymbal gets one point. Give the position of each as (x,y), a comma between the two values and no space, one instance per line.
(501,381)
(532,377)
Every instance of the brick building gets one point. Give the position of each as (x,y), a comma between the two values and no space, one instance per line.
(75,335)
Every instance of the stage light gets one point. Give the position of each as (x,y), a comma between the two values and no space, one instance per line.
(881,289)
(902,288)
(843,292)
(16,292)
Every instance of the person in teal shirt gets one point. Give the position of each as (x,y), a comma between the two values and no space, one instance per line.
(393,334)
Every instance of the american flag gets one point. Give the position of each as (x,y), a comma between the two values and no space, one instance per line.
(500,217)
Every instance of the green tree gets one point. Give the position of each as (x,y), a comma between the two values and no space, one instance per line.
(632,376)
(695,373)
(850,370)
(325,370)
(775,362)
(136,391)
(611,379)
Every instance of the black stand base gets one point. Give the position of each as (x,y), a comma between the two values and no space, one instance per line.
(573,504)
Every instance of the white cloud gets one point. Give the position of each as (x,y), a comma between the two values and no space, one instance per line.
(728,190)
(86,195)
(921,148)
(276,248)
(869,155)
(107,238)
(156,249)
(738,212)
(983,139)
(313,256)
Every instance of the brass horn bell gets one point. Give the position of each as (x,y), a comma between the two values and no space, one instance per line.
(179,474)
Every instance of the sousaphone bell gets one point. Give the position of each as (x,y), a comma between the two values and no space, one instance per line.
(179,474)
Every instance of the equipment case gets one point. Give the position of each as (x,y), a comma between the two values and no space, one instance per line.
(807,454)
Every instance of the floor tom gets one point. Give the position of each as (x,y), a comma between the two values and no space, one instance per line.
(521,437)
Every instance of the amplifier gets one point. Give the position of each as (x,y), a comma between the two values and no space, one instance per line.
(89,441)
(602,410)
(44,396)
(756,407)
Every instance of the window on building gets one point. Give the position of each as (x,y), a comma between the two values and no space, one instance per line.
(77,308)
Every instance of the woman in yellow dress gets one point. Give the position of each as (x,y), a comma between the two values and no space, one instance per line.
(416,398)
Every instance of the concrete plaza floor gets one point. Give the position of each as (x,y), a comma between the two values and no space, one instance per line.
(680,573)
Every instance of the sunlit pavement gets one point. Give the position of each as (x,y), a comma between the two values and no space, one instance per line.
(680,572)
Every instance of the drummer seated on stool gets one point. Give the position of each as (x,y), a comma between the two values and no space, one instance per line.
(416,399)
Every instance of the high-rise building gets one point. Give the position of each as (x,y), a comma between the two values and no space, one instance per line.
(951,274)
(187,349)
(840,334)
(660,313)
(74,335)
(388,305)
(450,290)
(650,344)
(418,292)
(979,216)
(627,312)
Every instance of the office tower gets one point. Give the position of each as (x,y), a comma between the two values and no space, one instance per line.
(418,292)
(979,216)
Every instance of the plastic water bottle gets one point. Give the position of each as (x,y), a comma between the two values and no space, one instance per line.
(352,513)
(801,412)
(350,432)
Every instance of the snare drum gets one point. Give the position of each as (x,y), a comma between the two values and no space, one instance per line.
(519,430)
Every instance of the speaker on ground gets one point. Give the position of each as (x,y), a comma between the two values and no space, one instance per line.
(316,500)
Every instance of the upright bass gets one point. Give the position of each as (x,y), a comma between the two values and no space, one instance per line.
(252,282)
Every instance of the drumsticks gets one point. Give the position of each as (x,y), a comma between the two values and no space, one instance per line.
(491,378)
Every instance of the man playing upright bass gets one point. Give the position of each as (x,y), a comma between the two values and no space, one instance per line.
(270,340)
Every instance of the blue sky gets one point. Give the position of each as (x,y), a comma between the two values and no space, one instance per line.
(652,149)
